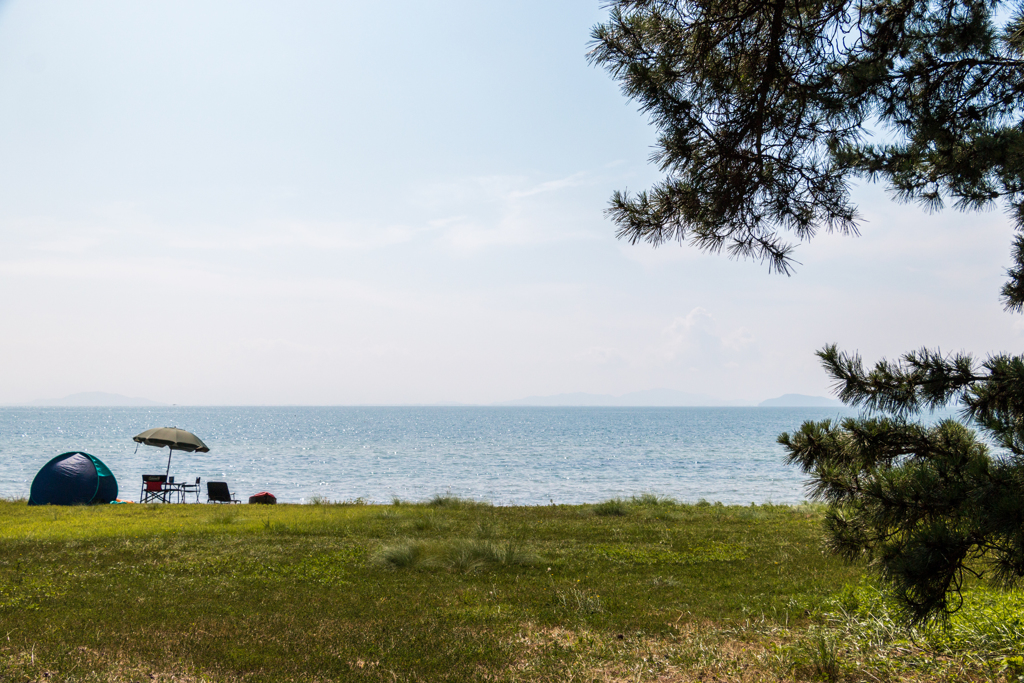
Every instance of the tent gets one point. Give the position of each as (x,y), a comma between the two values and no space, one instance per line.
(74,478)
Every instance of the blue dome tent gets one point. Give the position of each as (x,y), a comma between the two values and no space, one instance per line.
(74,478)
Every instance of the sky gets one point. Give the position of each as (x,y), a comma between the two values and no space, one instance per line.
(345,203)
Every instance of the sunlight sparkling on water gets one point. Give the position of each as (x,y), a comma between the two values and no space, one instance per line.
(521,456)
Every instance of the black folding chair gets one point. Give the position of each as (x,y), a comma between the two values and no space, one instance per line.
(153,490)
(217,492)
(190,488)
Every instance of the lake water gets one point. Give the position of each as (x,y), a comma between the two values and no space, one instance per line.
(520,456)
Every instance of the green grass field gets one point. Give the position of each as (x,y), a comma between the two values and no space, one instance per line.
(639,590)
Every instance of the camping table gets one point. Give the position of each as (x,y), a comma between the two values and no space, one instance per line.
(175,489)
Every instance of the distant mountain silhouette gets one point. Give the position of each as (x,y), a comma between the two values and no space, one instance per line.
(668,398)
(800,401)
(96,399)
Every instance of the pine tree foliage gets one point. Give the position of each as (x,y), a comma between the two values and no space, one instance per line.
(764,109)
(927,505)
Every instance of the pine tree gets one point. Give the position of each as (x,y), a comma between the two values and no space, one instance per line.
(762,109)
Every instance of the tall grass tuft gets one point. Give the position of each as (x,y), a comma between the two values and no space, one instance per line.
(449,501)
(824,659)
(485,529)
(615,507)
(510,554)
(430,522)
(652,500)
(656,507)
(461,555)
(402,555)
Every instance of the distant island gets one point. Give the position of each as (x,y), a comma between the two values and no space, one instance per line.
(651,398)
(800,401)
(96,399)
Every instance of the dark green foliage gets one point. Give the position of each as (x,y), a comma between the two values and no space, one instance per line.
(763,109)
(928,504)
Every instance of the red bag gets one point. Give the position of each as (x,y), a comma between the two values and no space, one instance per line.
(264,497)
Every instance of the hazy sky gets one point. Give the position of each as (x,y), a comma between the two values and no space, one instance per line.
(348,202)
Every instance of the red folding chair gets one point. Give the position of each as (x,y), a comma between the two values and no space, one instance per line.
(153,488)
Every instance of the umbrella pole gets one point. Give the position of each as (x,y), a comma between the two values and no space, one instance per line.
(170,452)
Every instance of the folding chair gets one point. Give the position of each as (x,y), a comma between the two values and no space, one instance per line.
(217,492)
(153,488)
(190,488)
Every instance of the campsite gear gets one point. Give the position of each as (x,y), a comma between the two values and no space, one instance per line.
(74,478)
(217,492)
(154,489)
(190,488)
(175,439)
(263,498)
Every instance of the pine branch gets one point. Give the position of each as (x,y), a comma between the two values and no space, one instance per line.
(921,380)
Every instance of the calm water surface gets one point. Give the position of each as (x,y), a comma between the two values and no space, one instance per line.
(521,456)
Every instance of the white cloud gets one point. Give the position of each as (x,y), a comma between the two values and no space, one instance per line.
(698,335)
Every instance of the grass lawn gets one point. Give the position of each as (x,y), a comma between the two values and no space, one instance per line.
(639,590)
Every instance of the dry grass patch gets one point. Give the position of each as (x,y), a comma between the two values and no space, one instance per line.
(706,652)
(691,652)
(91,666)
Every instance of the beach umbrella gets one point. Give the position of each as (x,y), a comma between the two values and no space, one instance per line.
(175,439)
